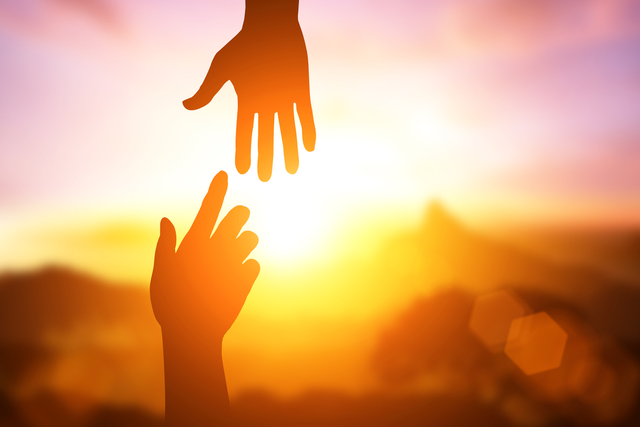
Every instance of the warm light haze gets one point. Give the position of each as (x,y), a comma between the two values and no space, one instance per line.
(520,110)
(451,121)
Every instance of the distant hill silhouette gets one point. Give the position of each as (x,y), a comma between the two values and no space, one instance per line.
(445,251)
(439,222)
(613,250)
(56,303)
(63,333)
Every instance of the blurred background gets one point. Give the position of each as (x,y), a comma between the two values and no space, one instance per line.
(463,247)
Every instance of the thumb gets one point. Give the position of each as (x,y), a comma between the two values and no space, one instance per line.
(166,247)
(214,80)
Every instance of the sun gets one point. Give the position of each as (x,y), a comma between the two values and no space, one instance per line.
(291,229)
(292,219)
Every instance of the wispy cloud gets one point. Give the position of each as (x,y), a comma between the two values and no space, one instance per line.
(524,25)
(41,16)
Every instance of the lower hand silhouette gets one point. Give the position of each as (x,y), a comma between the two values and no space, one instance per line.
(196,294)
(268,66)
(203,285)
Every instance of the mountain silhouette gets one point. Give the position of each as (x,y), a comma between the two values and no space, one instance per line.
(612,250)
(445,251)
(438,221)
(42,306)
(63,333)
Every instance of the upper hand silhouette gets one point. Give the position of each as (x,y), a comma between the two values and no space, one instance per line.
(268,66)
(200,289)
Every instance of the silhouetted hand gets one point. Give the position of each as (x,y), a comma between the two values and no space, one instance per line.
(196,294)
(268,66)
(204,284)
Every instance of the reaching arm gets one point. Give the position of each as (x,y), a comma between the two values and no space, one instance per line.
(196,294)
(195,385)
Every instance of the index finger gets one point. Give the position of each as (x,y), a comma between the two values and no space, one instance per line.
(208,214)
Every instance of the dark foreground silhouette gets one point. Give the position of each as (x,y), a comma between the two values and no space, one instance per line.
(268,66)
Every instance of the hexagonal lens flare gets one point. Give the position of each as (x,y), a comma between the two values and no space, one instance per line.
(535,343)
(491,318)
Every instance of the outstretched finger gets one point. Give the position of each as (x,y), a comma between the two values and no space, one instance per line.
(265,145)
(208,214)
(305,114)
(247,273)
(244,129)
(289,139)
(245,243)
(250,270)
(166,247)
(214,80)
(230,226)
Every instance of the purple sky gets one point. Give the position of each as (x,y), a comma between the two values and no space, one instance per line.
(449,97)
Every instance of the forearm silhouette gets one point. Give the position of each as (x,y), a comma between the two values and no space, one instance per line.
(268,66)
(196,294)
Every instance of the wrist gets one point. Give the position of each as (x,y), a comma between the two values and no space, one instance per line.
(192,339)
(270,13)
(195,385)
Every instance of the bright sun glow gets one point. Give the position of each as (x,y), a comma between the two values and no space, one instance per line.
(291,229)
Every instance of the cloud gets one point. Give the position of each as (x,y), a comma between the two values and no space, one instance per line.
(522,25)
(40,16)
(101,12)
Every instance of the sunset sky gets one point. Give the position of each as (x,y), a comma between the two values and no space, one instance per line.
(508,111)
(504,109)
